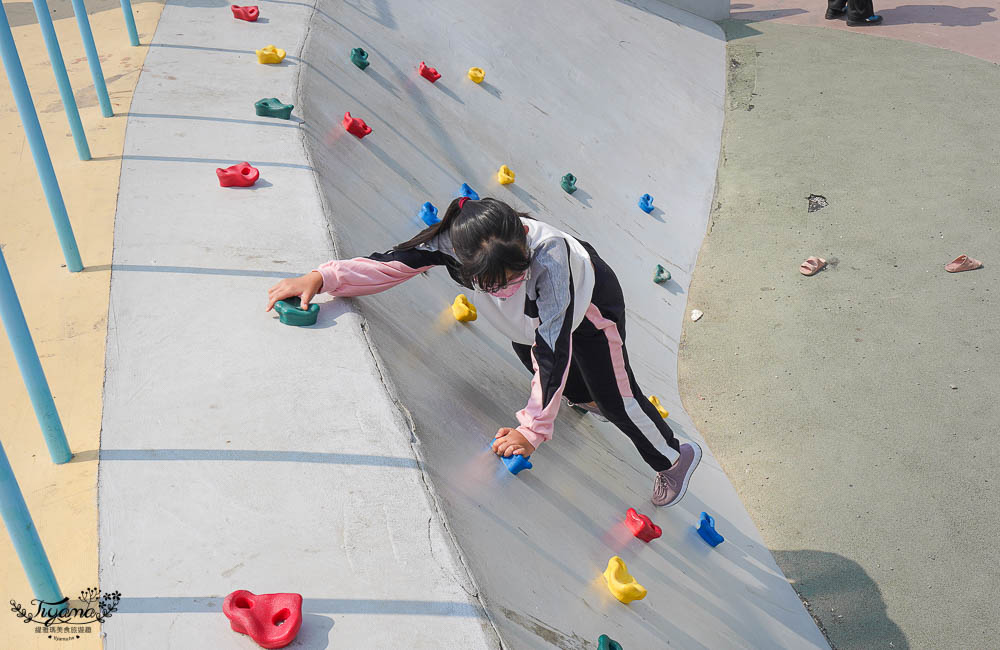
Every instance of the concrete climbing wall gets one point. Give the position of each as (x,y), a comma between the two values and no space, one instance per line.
(628,96)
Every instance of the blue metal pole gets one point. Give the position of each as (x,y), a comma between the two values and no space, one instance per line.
(62,79)
(87,36)
(40,152)
(31,368)
(25,537)
(133,35)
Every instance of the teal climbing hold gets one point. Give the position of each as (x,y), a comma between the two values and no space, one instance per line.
(290,314)
(359,58)
(604,642)
(569,183)
(662,275)
(272,107)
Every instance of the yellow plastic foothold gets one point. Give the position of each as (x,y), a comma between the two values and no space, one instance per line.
(659,407)
(270,54)
(463,310)
(622,585)
(477,75)
(505,175)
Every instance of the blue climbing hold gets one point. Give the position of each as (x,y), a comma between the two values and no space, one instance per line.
(468,192)
(646,203)
(706,528)
(516,463)
(429,214)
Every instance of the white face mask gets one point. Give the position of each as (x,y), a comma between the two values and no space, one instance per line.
(510,288)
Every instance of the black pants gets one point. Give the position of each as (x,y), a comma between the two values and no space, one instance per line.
(600,371)
(857,10)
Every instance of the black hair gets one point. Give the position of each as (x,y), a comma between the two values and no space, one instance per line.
(488,238)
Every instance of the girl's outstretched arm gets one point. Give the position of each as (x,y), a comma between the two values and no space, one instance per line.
(360,276)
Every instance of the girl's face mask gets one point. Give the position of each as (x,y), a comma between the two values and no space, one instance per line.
(509,289)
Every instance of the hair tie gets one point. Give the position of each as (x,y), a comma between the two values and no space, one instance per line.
(462,201)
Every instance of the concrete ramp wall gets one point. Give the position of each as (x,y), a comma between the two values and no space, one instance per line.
(630,100)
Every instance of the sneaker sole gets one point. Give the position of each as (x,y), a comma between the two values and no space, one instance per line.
(687,476)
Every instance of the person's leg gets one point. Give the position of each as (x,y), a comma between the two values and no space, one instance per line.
(835,9)
(859,11)
(575,390)
(600,354)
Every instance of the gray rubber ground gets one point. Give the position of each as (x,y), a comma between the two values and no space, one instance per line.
(855,410)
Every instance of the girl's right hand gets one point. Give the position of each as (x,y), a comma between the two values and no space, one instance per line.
(305,287)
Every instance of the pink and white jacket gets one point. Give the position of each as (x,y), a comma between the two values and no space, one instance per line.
(548,306)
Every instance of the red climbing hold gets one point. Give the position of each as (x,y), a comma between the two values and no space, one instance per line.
(642,526)
(271,620)
(250,14)
(356,125)
(430,74)
(241,175)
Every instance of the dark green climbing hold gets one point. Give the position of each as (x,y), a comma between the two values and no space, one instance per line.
(607,643)
(569,183)
(272,107)
(359,58)
(661,275)
(290,314)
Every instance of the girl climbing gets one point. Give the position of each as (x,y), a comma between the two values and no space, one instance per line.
(554,297)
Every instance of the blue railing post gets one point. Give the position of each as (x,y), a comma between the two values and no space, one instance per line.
(87,36)
(133,35)
(24,535)
(62,79)
(31,368)
(39,151)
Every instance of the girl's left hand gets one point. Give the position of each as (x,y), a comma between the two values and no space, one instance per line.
(510,441)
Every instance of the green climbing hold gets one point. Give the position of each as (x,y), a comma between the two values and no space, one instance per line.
(359,58)
(569,183)
(272,107)
(604,642)
(290,314)
(661,275)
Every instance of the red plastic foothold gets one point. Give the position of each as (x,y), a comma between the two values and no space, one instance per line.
(241,175)
(430,74)
(355,125)
(271,620)
(642,526)
(250,13)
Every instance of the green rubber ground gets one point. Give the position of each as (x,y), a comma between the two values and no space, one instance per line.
(856,411)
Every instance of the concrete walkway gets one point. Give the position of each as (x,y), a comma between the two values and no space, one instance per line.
(854,410)
(239,453)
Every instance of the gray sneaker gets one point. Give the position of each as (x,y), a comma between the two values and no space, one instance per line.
(671,484)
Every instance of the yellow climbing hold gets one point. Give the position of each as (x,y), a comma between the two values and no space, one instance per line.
(622,585)
(505,175)
(463,310)
(659,407)
(270,54)
(477,75)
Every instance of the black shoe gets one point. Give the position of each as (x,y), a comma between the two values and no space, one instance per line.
(870,20)
(834,14)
